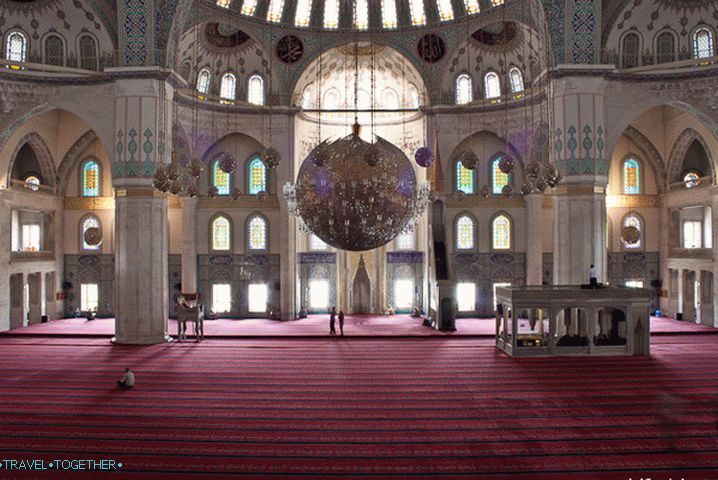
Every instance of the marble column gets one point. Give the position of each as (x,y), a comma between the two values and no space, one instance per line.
(189,244)
(714,233)
(6,242)
(580,200)
(534,250)
(290,296)
(143,133)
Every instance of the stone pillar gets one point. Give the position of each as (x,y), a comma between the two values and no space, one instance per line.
(143,119)
(714,231)
(5,241)
(580,199)
(289,273)
(189,244)
(664,250)
(534,251)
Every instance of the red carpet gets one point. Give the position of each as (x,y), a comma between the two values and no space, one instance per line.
(358,408)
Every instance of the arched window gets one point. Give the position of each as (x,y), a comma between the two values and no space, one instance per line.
(391,99)
(632,220)
(331,99)
(54,51)
(257,180)
(464,179)
(406,241)
(90,179)
(16,47)
(255,90)
(416,11)
(703,43)
(32,183)
(331,14)
(257,233)
(630,50)
(492,85)
(465,233)
(88,222)
(228,87)
(203,79)
(304,9)
(248,7)
(496,3)
(446,11)
(631,177)
(499,179)
(221,234)
(361,17)
(308,97)
(464,89)
(412,94)
(472,6)
(665,48)
(501,232)
(517,80)
(276,7)
(88,53)
(388,14)
(221,179)
(691,179)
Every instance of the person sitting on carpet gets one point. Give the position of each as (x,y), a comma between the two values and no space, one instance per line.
(128,380)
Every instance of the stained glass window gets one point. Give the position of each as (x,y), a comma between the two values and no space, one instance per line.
(228,89)
(464,89)
(54,51)
(90,179)
(631,50)
(16,48)
(87,223)
(517,80)
(257,233)
(304,10)
(88,53)
(416,9)
(361,19)
(631,177)
(203,81)
(472,6)
(464,179)
(331,14)
(632,220)
(703,43)
(276,7)
(464,233)
(255,91)
(492,85)
(257,176)
(221,179)
(691,179)
(248,7)
(446,12)
(666,48)
(499,179)
(502,232)
(224,3)
(32,183)
(221,234)
(388,14)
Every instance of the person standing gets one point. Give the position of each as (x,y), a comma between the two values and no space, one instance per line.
(592,277)
(332,319)
(128,380)
(341,322)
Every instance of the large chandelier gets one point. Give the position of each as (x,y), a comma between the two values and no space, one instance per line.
(356,195)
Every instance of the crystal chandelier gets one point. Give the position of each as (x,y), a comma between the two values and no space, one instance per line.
(355,195)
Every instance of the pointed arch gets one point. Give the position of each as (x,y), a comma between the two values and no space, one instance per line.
(679,150)
(72,158)
(497,178)
(222,180)
(257,233)
(649,152)
(465,232)
(221,233)
(90,178)
(257,175)
(502,234)
(44,157)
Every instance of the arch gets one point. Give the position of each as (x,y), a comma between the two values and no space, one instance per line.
(465,232)
(90,178)
(88,221)
(502,234)
(665,46)
(72,158)
(635,220)
(87,52)
(497,178)
(516,80)
(650,153)
(257,175)
(464,89)
(257,233)
(631,175)
(228,87)
(53,50)
(16,45)
(703,42)
(331,99)
(219,178)
(255,90)
(630,49)
(679,150)
(220,233)
(44,157)
(492,85)
(204,81)
(464,179)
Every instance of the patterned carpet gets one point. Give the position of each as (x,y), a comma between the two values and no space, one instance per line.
(359,408)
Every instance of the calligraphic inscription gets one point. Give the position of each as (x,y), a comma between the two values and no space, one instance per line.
(290,49)
(431,48)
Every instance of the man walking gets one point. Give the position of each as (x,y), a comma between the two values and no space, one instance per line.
(341,322)
(332,319)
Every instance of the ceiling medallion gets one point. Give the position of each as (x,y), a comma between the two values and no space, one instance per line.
(290,49)
(360,197)
(431,48)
